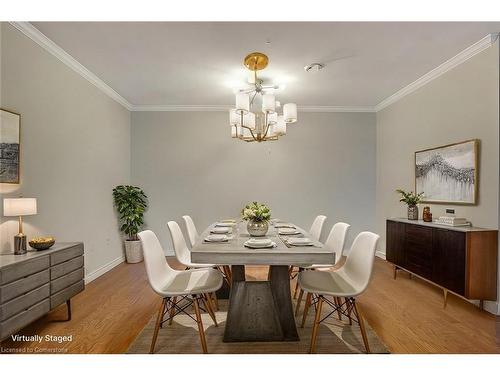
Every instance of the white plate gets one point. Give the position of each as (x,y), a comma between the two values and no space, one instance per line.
(300,242)
(255,245)
(225,225)
(284,225)
(220,230)
(216,238)
(288,231)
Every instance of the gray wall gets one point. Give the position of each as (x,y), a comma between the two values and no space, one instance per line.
(461,104)
(188,164)
(75,147)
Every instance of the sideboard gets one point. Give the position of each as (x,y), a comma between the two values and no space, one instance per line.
(460,260)
(34,283)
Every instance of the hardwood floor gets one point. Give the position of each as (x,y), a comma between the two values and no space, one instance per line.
(407,314)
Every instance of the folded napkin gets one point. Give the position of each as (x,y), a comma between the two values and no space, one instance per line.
(220,230)
(300,241)
(284,225)
(288,231)
(223,224)
(260,244)
(216,238)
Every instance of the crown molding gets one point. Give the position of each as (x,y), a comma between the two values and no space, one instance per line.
(448,65)
(224,108)
(36,35)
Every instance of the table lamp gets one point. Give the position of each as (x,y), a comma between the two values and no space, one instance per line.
(19,207)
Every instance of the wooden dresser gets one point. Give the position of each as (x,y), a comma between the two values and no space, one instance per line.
(32,284)
(461,260)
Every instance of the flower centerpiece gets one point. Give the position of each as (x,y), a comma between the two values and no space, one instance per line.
(411,199)
(257,215)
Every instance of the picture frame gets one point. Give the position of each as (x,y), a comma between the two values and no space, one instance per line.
(10,147)
(448,174)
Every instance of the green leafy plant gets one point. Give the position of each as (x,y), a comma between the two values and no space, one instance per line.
(130,202)
(256,212)
(410,198)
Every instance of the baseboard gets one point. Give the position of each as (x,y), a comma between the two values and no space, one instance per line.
(102,270)
(492,307)
(380,254)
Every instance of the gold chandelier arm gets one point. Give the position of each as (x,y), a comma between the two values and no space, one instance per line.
(267,127)
(251,132)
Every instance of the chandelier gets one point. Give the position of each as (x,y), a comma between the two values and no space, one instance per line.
(265,124)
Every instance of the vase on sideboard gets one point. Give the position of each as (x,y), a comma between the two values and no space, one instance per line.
(412,212)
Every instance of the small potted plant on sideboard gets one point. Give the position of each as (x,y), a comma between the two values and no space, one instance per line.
(411,199)
(131,202)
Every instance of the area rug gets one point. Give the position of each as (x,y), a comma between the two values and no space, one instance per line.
(182,337)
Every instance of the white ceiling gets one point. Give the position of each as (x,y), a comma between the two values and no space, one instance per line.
(196,63)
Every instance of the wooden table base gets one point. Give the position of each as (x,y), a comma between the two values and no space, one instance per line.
(260,310)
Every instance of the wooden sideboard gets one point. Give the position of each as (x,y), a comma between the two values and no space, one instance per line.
(461,260)
(34,283)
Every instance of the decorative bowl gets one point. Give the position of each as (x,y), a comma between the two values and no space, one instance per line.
(42,243)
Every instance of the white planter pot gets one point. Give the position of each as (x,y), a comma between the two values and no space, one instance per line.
(133,251)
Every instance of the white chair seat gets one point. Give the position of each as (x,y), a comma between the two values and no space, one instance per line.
(331,283)
(194,281)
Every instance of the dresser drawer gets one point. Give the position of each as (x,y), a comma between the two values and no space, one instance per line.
(18,271)
(66,280)
(66,294)
(65,255)
(24,318)
(24,285)
(419,235)
(62,269)
(23,302)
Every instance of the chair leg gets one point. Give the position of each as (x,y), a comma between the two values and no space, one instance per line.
(361,325)
(317,318)
(216,301)
(338,303)
(301,293)
(296,289)
(200,324)
(348,308)
(290,271)
(306,309)
(157,325)
(172,311)
(208,305)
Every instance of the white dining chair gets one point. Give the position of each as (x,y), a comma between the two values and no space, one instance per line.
(317,227)
(335,243)
(191,229)
(178,289)
(183,254)
(347,282)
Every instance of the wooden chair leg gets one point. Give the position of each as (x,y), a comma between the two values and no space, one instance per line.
(348,308)
(216,301)
(306,309)
(290,271)
(227,273)
(296,289)
(208,305)
(157,325)
(317,318)
(172,311)
(200,324)
(361,325)
(301,293)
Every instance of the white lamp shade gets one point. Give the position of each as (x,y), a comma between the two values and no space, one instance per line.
(290,112)
(234,117)
(245,133)
(19,206)
(233,131)
(249,120)
(268,103)
(280,127)
(272,118)
(242,102)
(271,131)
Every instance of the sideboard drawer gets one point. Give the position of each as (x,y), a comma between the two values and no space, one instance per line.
(62,269)
(65,255)
(24,318)
(66,294)
(29,267)
(26,284)
(419,235)
(66,280)
(23,302)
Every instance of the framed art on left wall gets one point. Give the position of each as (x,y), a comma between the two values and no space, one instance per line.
(10,142)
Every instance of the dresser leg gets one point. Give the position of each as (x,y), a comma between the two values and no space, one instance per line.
(445,291)
(68,306)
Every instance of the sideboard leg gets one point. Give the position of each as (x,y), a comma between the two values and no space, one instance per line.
(68,306)
(481,304)
(395,271)
(445,291)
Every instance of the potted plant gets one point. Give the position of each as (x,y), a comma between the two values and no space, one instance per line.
(257,215)
(131,202)
(411,199)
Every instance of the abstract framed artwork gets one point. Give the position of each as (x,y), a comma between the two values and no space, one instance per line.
(448,174)
(10,140)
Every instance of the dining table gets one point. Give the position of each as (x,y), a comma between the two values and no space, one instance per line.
(260,310)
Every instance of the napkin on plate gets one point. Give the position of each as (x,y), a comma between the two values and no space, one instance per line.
(284,225)
(288,231)
(216,238)
(220,230)
(300,241)
(225,225)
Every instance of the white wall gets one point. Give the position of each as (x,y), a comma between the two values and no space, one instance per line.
(461,104)
(187,163)
(75,147)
